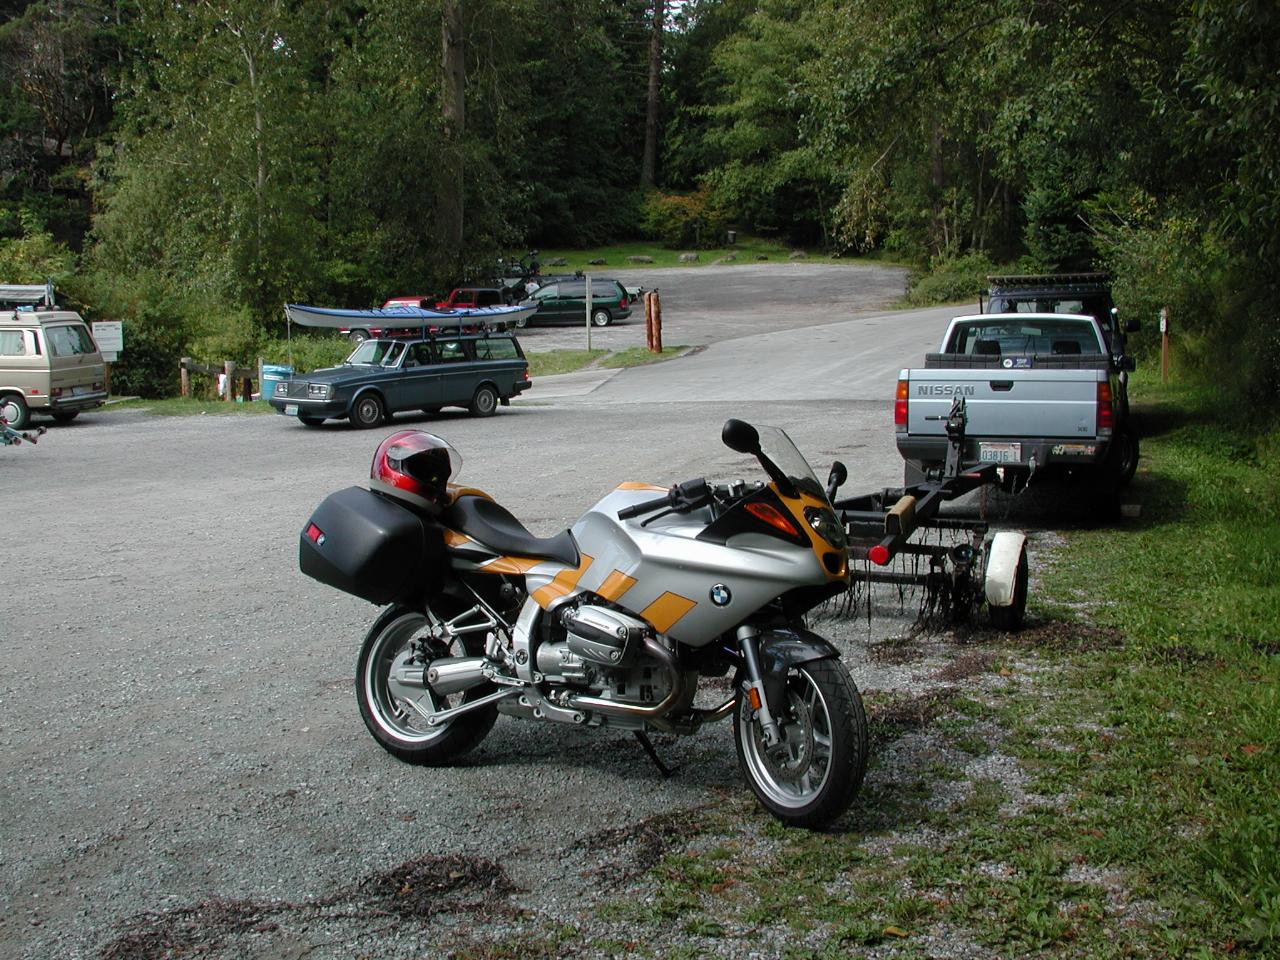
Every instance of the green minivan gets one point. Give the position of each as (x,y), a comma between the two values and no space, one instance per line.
(565,301)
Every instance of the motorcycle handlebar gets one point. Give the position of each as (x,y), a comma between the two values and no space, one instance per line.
(636,509)
(686,496)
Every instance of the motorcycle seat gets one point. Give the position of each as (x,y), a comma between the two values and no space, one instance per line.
(493,525)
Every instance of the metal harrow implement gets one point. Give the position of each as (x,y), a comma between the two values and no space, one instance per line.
(975,568)
(9,436)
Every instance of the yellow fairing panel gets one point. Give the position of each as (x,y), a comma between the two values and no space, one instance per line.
(518,565)
(615,585)
(562,584)
(664,612)
(820,546)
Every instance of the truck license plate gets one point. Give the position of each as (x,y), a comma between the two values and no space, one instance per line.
(1000,452)
(291,409)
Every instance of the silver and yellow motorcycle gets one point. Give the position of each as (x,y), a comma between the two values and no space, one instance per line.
(612,622)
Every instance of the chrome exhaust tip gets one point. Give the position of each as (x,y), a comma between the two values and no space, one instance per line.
(455,674)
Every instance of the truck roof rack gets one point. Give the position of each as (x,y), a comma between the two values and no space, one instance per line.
(1048,279)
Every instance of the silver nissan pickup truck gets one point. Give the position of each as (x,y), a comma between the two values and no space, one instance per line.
(1042,392)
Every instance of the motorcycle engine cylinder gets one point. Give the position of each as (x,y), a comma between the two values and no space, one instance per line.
(602,635)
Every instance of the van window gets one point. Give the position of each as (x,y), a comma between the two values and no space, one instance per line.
(68,341)
(419,355)
(12,343)
(502,348)
(451,351)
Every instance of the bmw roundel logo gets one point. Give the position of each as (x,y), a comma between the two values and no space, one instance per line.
(720,595)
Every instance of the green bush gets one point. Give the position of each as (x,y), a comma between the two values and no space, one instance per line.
(1221,307)
(683,221)
(35,256)
(951,280)
(306,351)
(158,324)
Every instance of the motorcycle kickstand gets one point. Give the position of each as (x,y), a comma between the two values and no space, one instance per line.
(653,754)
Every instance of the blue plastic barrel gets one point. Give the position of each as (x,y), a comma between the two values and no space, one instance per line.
(273,373)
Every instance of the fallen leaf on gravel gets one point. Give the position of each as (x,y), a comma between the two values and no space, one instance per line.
(1249,749)
(895,932)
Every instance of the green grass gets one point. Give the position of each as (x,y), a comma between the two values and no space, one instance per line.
(639,356)
(548,363)
(191,407)
(1193,697)
(746,250)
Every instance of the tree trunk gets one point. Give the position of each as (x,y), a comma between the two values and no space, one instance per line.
(449,196)
(649,163)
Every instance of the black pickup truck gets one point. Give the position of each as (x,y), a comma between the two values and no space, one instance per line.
(1079,293)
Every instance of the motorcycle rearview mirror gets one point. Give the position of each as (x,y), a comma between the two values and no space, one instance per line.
(838,475)
(741,437)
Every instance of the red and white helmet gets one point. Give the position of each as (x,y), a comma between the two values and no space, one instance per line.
(415,466)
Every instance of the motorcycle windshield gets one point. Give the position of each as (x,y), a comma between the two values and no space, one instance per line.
(777,446)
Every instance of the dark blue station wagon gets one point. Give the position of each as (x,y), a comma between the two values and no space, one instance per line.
(382,377)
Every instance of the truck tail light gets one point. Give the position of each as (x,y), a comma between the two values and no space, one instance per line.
(1106,411)
(900,407)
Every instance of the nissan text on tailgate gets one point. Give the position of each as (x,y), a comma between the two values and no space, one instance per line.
(1041,394)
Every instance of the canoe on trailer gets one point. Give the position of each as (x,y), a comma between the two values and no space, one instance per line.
(398,317)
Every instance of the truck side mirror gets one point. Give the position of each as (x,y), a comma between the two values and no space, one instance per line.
(1128,364)
(1132,325)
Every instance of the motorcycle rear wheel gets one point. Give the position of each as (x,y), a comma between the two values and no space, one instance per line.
(388,706)
(814,774)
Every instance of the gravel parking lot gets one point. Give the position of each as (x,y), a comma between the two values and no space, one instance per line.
(181,741)
(702,305)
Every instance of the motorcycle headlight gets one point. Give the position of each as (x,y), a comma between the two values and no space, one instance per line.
(826,525)
(319,391)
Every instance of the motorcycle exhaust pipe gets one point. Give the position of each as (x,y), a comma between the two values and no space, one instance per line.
(455,674)
(615,709)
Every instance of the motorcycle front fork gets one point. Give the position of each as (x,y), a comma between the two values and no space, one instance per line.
(753,685)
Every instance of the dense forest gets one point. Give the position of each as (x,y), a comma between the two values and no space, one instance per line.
(188,167)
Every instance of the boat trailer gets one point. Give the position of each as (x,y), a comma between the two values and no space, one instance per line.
(976,567)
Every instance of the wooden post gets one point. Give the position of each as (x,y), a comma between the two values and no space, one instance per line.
(1164,344)
(657,323)
(262,395)
(229,368)
(648,320)
(106,378)
(184,376)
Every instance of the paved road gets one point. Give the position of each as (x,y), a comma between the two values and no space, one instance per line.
(178,718)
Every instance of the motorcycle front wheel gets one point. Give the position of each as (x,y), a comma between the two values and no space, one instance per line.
(396,711)
(812,776)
